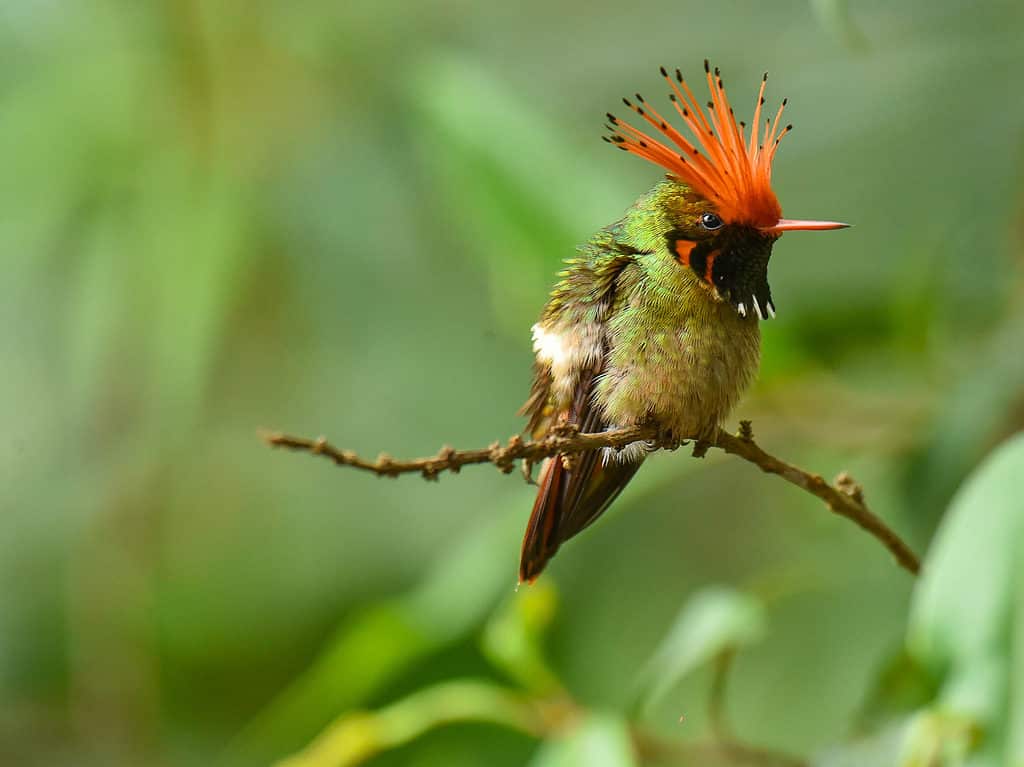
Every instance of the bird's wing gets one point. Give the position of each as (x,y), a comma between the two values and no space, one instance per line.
(574,490)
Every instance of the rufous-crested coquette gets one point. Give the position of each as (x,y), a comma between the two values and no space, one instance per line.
(656,321)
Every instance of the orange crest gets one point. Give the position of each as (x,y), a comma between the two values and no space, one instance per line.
(733,171)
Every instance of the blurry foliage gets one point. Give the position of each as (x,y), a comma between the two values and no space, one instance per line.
(714,622)
(967,620)
(342,218)
(597,741)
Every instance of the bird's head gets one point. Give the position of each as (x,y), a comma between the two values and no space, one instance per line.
(724,216)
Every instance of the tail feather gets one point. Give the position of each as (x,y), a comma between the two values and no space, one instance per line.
(541,540)
(568,501)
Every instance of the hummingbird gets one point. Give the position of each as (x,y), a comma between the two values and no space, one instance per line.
(656,321)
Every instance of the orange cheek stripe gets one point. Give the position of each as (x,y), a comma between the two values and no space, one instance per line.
(708,278)
(683,248)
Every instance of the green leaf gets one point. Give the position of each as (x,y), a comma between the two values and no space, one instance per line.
(879,748)
(355,737)
(379,644)
(512,638)
(966,619)
(902,686)
(713,621)
(942,738)
(600,740)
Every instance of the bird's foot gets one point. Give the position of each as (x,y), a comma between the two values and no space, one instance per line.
(566,429)
(700,448)
(527,469)
(667,438)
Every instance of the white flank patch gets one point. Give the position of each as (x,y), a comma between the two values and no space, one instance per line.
(567,350)
(548,346)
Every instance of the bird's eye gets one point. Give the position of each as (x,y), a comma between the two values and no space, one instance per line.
(710,221)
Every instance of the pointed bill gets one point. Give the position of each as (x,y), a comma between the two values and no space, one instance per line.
(791,224)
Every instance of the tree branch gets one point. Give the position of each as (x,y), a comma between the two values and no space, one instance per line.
(844,497)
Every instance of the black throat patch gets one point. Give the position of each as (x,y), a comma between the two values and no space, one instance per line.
(735,263)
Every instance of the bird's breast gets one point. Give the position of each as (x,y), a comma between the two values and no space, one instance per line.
(686,369)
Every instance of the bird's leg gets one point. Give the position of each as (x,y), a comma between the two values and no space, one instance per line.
(527,468)
(666,437)
(705,440)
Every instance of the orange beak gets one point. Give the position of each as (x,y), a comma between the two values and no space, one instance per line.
(790,225)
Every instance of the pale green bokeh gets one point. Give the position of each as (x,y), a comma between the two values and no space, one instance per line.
(342,218)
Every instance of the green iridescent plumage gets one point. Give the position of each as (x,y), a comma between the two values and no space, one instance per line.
(673,351)
(656,320)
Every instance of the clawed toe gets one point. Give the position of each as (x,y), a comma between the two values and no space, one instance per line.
(668,439)
(700,448)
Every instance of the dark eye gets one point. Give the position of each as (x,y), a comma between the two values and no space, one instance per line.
(710,221)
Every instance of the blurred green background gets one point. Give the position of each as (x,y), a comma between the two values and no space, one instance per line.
(342,218)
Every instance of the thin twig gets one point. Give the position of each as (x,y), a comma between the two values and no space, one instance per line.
(844,498)
(563,440)
(716,697)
